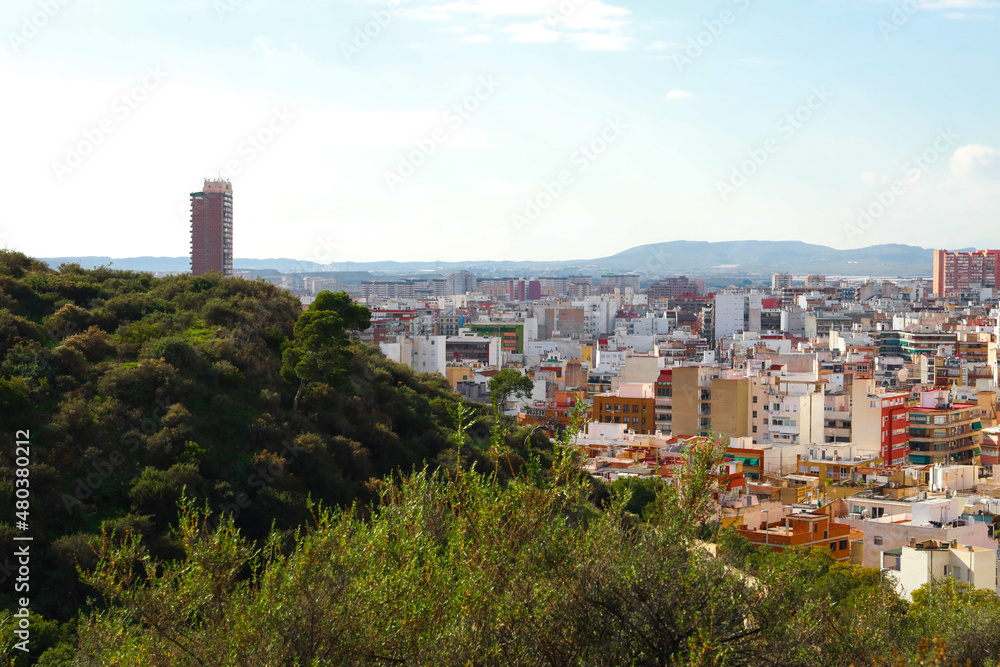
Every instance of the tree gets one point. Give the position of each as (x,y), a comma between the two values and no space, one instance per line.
(507,383)
(321,347)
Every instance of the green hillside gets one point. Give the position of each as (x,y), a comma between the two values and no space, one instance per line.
(134,388)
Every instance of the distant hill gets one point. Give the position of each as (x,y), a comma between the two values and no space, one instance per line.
(673,257)
(700,257)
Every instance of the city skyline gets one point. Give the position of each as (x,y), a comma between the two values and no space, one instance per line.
(501,130)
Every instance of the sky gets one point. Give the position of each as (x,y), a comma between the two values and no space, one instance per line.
(363,130)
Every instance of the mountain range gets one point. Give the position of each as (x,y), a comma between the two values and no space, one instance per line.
(693,258)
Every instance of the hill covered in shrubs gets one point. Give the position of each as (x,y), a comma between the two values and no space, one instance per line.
(136,390)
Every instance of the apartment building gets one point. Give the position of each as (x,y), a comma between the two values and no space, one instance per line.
(212,229)
(880,421)
(633,405)
(621,281)
(691,398)
(837,462)
(926,561)
(945,432)
(780,281)
(890,522)
(957,273)
(837,417)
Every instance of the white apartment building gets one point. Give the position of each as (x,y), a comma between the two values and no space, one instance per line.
(923,562)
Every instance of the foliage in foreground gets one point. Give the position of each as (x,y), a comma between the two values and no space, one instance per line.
(470,569)
(133,387)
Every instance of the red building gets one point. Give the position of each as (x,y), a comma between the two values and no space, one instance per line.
(895,439)
(534,290)
(212,229)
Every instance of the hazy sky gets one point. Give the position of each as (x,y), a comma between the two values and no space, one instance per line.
(498,129)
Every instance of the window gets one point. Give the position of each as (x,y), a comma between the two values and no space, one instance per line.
(625,408)
(635,421)
(877,540)
(843,544)
(878,513)
(833,546)
(754,399)
(755,414)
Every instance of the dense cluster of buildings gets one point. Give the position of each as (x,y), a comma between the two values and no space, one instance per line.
(856,415)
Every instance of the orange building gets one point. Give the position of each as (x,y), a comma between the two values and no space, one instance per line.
(806,529)
(633,404)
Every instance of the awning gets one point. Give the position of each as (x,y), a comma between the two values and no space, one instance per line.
(747,461)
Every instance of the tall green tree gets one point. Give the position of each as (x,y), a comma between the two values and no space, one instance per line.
(509,383)
(321,347)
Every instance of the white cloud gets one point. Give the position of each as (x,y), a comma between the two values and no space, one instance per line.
(593,41)
(477,39)
(497,188)
(975,162)
(959,4)
(270,50)
(494,8)
(664,46)
(591,25)
(591,15)
(531,32)
(676,94)
(264,45)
